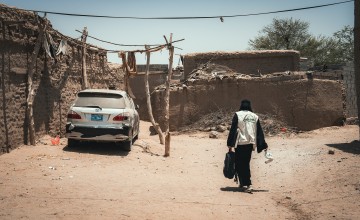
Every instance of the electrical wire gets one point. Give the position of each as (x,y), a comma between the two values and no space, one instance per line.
(129,45)
(191,17)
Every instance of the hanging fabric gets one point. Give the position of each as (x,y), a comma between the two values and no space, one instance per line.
(50,46)
(126,68)
(46,46)
(62,48)
(131,62)
(53,48)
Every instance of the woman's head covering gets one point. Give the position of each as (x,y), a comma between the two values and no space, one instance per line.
(245,105)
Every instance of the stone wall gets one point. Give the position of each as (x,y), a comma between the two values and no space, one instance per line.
(350,91)
(55,83)
(246,62)
(300,102)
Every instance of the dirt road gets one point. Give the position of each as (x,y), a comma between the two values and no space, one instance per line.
(99,181)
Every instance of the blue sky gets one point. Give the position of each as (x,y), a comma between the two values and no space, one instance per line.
(200,35)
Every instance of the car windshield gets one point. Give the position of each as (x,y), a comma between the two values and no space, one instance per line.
(100,100)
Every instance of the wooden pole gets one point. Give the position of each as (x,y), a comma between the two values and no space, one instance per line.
(167,97)
(148,98)
(30,88)
(357,54)
(84,84)
(3,93)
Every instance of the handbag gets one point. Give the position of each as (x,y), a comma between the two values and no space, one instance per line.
(229,165)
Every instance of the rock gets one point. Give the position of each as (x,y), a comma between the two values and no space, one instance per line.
(213,128)
(207,129)
(214,134)
(152,130)
(220,128)
(331,152)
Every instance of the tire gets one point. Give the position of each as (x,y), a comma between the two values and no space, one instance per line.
(72,143)
(127,145)
(136,137)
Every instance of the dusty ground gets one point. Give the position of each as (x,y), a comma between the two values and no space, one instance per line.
(97,181)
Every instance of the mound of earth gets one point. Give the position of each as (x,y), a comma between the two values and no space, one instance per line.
(221,121)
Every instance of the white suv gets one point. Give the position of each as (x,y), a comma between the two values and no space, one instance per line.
(103,115)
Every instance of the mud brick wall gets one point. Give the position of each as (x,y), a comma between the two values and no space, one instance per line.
(246,62)
(302,103)
(137,85)
(55,83)
(350,90)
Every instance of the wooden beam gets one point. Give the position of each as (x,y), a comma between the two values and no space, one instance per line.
(357,54)
(3,94)
(84,84)
(167,97)
(30,88)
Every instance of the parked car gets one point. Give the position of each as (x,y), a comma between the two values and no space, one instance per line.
(103,115)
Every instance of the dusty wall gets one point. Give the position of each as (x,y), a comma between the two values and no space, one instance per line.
(137,84)
(302,103)
(246,62)
(55,83)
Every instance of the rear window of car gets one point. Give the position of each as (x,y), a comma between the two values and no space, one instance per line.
(102,100)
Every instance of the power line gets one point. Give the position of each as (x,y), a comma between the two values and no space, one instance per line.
(128,45)
(192,17)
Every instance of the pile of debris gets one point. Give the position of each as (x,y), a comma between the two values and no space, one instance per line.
(220,121)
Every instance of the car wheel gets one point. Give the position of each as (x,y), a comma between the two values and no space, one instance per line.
(127,145)
(72,143)
(136,137)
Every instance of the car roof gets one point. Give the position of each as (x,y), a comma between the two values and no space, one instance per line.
(110,91)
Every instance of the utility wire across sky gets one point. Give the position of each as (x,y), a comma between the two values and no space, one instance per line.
(221,17)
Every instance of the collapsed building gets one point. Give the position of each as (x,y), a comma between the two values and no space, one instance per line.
(271,79)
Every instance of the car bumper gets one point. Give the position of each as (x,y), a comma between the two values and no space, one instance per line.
(96,133)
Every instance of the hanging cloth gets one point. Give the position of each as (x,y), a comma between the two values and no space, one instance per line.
(62,48)
(53,48)
(46,46)
(131,62)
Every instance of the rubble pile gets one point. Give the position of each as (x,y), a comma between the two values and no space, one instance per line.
(220,121)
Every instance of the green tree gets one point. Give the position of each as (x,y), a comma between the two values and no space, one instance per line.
(282,34)
(345,42)
(290,34)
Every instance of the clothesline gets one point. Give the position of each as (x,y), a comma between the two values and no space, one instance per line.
(130,45)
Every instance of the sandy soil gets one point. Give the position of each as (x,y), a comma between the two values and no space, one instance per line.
(99,181)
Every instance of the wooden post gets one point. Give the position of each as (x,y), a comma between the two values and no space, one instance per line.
(84,84)
(3,93)
(30,88)
(357,54)
(167,97)
(148,98)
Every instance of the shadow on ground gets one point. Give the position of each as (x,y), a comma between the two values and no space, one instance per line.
(101,148)
(353,147)
(237,189)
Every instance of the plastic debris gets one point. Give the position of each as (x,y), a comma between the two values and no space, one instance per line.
(55,141)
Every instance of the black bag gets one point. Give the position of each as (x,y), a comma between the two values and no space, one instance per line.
(229,165)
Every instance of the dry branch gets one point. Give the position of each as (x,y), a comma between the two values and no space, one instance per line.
(148,100)
(30,88)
